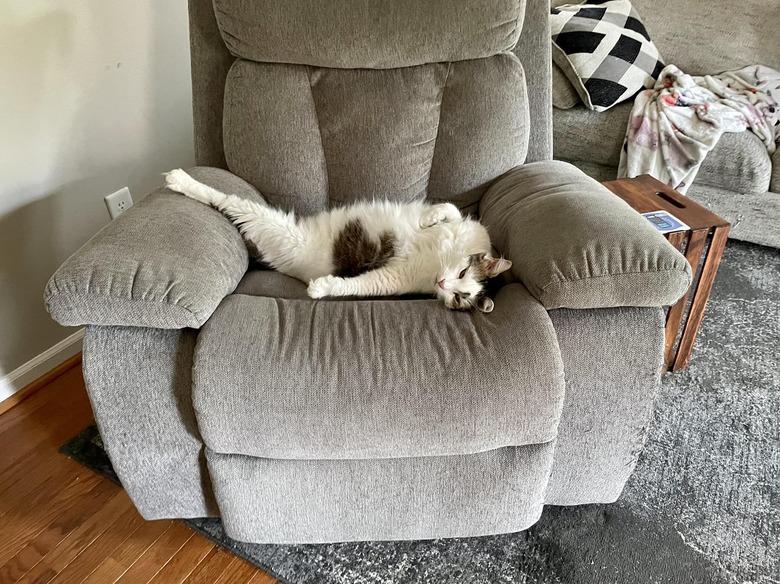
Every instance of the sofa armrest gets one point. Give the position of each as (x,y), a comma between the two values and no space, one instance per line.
(574,244)
(166,262)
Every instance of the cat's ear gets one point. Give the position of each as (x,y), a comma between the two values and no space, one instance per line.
(485,304)
(495,266)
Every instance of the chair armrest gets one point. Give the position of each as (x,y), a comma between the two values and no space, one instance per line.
(166,262)
(574,244)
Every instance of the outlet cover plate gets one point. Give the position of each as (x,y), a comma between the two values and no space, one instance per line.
(118,202)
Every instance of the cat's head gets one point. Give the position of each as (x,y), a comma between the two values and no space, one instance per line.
(462,281)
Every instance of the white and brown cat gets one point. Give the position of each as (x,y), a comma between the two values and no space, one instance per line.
(378,248)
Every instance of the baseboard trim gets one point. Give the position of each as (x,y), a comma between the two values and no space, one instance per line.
(25,380)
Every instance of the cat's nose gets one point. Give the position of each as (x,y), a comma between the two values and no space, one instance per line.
(441,283)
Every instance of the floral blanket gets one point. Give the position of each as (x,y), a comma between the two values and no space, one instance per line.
(676,123)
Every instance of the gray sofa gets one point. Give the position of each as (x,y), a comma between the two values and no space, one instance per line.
(220,389)
(738,179)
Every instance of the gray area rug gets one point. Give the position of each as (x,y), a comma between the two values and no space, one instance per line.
(702,507)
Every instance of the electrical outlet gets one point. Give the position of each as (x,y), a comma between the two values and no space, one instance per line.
(118,202)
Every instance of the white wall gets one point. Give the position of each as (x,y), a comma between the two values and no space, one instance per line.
(94,96)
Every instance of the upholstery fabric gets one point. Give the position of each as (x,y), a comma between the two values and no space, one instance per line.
(166,262)
(612,358)
(139,383)
(604,50)
(271,284)
(564,96)
(355,34)
(774,182)
(704,38)
(738,162)
(309,501)
(535,53)
(576,245)
(210,61)
(307,138)
(357,379)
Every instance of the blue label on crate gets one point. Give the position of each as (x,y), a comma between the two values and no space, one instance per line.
(665,222)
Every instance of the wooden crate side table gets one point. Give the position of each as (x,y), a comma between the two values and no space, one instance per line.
(702,244)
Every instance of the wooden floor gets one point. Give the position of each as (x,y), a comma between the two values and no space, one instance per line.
(60,522)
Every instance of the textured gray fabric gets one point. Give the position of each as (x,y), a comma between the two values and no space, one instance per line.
(210,61)
(308,137)
(355,34)
(774,183)
(139,384)
(754,218)
(576,245)
(166,262)
(738,162)
(356,379)
(564,96)
(704,38)
(609,401)
(481,134)
(272,136)
(580,134)
(534,51)
(303,501)
(271,284)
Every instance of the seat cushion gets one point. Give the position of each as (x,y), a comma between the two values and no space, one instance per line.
(301,379)
(739,162)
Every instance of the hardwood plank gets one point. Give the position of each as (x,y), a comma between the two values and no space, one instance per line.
(59,520)
(87,501)
(39,383)
(90,557)
(41,421)
(239,572)
(113,567)
(159,553)
(212,566)
(56,560)
(184,561)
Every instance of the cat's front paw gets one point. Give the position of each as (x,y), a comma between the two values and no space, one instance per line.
(432,218)
(322,287)
(177,180)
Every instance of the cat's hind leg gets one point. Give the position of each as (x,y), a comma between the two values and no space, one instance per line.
(439,214)
(181,182)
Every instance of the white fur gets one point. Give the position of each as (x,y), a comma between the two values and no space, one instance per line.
(432,243)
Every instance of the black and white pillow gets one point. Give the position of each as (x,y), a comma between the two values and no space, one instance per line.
(604,50)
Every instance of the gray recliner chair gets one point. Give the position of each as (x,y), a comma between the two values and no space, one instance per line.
(220,389)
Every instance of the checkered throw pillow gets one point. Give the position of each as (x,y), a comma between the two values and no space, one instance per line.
(604,50)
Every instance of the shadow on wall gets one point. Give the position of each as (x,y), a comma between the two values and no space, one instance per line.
(99,98)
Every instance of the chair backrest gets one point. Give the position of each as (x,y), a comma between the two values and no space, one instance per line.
(319,103)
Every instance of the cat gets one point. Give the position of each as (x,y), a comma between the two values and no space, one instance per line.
(378,248)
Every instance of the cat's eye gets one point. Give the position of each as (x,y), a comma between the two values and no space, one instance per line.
(462,273)
(457,297)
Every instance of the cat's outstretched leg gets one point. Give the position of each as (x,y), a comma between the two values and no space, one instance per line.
(439,214)
(385,281)
(275,233)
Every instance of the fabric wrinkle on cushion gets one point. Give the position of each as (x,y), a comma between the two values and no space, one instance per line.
(346,379)
(166,262)
(344,33)
(574,244)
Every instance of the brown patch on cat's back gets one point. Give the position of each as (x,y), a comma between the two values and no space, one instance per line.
(355,252)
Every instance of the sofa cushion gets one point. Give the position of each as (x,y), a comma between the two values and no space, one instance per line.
(604,50)
(738,162)
(358,34)
(309,138)
(301,379)
(166,262)
(564,96)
